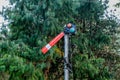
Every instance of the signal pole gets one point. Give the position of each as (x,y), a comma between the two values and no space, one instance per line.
(66,53)
(69,29)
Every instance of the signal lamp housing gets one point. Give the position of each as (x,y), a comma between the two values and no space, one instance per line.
(70,29)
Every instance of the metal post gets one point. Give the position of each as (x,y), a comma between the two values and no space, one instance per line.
(66,60)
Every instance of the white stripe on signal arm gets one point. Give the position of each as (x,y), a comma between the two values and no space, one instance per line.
(48,46)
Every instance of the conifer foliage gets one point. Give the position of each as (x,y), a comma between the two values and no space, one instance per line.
(33,23)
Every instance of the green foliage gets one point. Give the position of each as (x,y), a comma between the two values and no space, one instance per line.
(33,23)
(91,69)
(18,67)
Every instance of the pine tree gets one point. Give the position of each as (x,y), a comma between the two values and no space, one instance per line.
(33,23)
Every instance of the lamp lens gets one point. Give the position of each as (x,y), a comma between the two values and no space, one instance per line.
(72,30)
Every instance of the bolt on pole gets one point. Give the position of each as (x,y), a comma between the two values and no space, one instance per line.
(66,53)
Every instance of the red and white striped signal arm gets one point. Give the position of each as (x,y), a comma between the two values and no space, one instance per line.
(52,43)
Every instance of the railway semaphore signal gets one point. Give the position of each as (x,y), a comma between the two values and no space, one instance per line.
(69,29)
